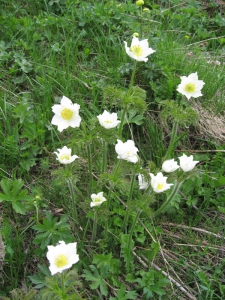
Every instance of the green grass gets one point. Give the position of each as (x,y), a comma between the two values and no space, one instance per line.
(53,48)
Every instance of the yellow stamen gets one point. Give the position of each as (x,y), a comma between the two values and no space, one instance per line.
(67,114)
(108,121)
(65,156)
(190,87)
(61,261)
(97,200)
(137,50)
(160,186)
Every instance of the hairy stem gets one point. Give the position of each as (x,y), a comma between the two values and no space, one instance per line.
(172,141)
(94,226)
(129,199)
(169,199)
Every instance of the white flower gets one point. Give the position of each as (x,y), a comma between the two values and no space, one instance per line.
(190,86)
(143,184)
(127,151)
(108,120)
(187,163)
(159,183)
(62,257)
(138,50)
(97,199)
(64,155)
(66,114)
(170,166)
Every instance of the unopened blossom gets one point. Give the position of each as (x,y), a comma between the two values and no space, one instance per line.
(158,182)
(108,120)
(190,86)
(140,3)
(66,114)
(97,199)
(64,155)
(62,256)
(187,163)
(169,166)
(127,151)
(143,184)
(139,50)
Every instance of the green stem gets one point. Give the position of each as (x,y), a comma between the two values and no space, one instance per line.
(108,210)
(104,157)
(172,140)
(62,285)
(73,204)
(170,198)
(94,226)
(128,202)
(84,234)
(121,123)
(130,236)
(141,10)
(132,78)
(89,167)
(128,95)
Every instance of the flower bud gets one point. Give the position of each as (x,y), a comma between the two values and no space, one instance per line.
(139,2)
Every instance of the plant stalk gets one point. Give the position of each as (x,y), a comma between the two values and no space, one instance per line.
(94,226)
(74,204)
(129,199)
(169,199)
(172,141)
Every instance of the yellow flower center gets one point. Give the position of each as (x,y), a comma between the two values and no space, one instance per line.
(160,186)
(61,261)
(190,87)
(108,121)
(67,114)
(137,50)
(97,200)
(65,156)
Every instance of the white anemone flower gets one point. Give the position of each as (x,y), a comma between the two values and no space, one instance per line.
(62,256)
(159,183)
(187,163)
(143,184)
(64,155)
(66,114)
(97,199)
(127,151)
(108,120)
(139,50)
(170,166)
(190,86)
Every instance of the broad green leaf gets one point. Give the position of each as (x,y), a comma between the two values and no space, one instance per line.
(19,207)
(17,185)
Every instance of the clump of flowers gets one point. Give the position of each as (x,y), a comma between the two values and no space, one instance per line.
(190,86)
(158,183)
(170,166)
(108,120)
(97,199)
(64,155)
(127,151)
(187,163)
(62,256)
(139,50)
(66,114)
